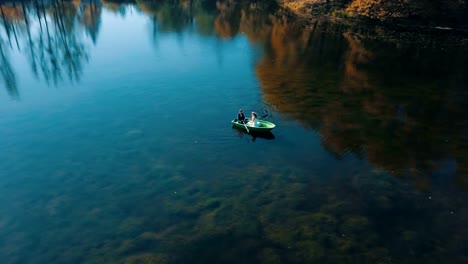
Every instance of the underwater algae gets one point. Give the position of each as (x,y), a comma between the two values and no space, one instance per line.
(266,218)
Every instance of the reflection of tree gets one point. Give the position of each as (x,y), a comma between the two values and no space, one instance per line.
(91,18)
(58,46)
(252,19)
(356,56)
(7,73)
(204,13)
(255,24)
(11,16)
(225,18)
(116,6)
(409,115)
(168,15)
(331,79)
(228,20)
(293,63)
(50,33)
(399,115)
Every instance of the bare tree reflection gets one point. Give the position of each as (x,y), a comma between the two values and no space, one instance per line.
(8,14)
(50,31)
(7,73)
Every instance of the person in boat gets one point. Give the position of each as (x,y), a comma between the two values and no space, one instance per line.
(241,117)
(253,121)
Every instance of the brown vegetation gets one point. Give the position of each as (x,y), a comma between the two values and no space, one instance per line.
(437,12)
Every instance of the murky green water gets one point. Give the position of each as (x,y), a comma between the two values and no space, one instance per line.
(116,143)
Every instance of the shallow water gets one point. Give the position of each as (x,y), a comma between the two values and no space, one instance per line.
(117,144)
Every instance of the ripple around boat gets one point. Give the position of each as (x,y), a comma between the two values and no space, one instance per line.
(253,134)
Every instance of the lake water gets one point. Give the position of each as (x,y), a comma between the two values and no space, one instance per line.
(117,147)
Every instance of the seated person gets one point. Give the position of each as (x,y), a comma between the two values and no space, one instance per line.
(253,121)
(241,117)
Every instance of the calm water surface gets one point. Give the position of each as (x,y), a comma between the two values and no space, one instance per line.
(116,143)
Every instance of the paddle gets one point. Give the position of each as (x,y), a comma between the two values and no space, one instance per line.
(246,127)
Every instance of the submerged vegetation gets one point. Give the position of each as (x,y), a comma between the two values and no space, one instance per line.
(291,217)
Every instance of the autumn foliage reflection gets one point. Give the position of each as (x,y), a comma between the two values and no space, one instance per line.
(389,104)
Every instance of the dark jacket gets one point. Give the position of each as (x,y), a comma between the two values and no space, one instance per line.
(240,116)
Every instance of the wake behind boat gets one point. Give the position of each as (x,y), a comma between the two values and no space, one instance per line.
(264,126)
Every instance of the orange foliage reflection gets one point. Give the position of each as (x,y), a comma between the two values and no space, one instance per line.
(363,100)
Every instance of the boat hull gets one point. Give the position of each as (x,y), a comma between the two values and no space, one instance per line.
(265,126)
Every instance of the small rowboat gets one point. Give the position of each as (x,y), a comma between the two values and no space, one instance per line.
(265,126)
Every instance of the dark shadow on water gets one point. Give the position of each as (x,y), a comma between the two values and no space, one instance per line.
(253,134)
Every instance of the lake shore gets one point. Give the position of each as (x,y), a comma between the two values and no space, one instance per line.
(389,15)
(391,31)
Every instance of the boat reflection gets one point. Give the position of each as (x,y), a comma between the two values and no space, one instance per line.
(253,134)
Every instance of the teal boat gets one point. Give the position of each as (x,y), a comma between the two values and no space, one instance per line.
(265,126)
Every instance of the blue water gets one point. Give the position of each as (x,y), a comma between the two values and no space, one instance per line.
(127,155)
